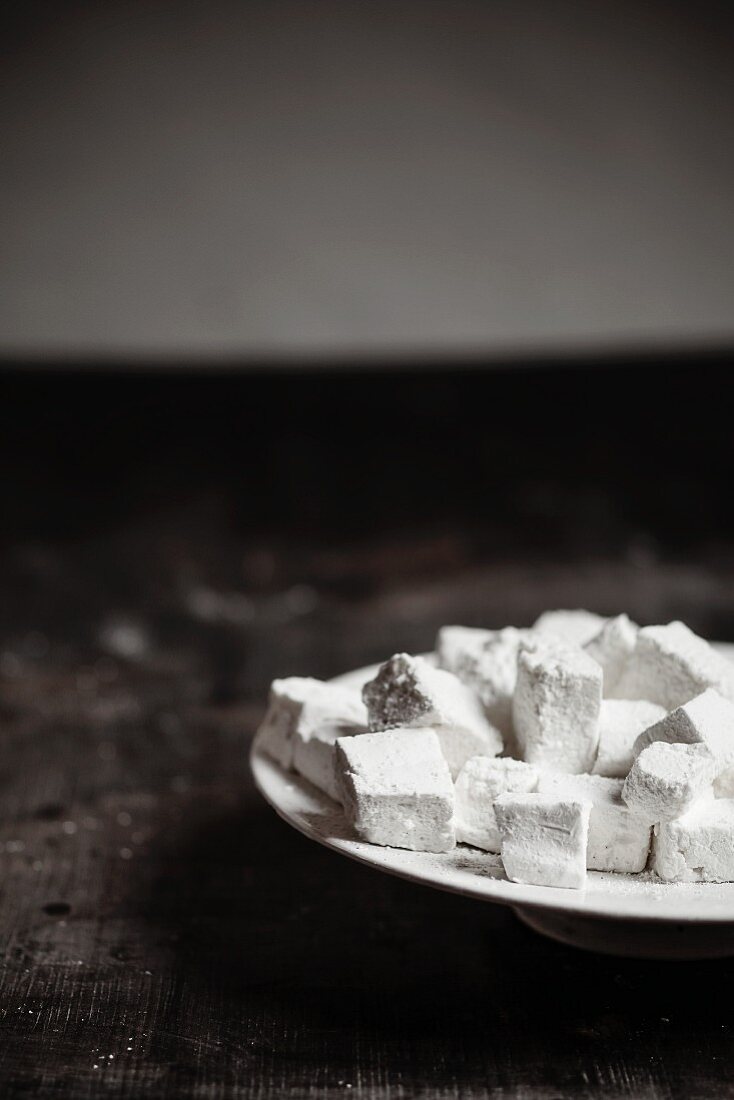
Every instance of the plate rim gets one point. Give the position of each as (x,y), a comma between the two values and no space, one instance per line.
(277,787)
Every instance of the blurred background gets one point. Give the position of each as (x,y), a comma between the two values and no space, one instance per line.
(324,323)
(315,179)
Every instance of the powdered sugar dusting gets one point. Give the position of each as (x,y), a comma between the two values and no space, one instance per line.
(479,874)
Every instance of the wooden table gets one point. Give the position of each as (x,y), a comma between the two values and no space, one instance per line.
(164,934)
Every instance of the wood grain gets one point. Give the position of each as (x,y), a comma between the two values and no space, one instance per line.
(163,933)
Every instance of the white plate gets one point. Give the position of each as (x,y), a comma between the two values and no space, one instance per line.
(620,914)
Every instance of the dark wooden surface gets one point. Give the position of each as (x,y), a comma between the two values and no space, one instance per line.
(164,934)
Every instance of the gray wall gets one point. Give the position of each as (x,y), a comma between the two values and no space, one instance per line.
(326,178)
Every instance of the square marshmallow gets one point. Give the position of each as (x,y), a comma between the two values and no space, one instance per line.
(698,847)
(314,752)
(479,784)
(556,705)
(666,780)
(612,648)
(671,665)
(299,708)
(577,627)
(619,840)
(543,839)
(709,720)
(396,789)
(458,649)
(407,691)
(621,721)
(485,660)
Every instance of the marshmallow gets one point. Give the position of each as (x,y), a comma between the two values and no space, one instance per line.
(576,627)
(544,839)
(485,660)
(698,847)
(298,708)
(407,691)
(666,780)
(556,705)
(480,783)
(671,665)
(621,721)
(619,840)
(724,784)
(612,648)
(708,719)
(314,751)
(396,789)
(458,649)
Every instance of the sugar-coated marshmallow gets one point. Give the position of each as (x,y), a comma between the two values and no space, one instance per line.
(543,839)
(671,665)
(407,691)
(458,649)
(314,752)
(396,789)
(619,840)
(707,719)
(556,705)
(479,784)
(612,647)
(667,780)
(577,627)
(300,709)
(485,660)
(621,721)
(698,847)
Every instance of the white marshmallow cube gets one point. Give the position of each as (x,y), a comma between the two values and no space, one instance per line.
(396,789)
(621,721)
(479,784)
(556,705)
(618,840)
(612,648)
(671,665)
(299,707)
(407,691)
(577,627)
(698,847)
(543,839)
(314,751)
(485,660)
(667,780)
(707,719)
(724,784)
(458,649)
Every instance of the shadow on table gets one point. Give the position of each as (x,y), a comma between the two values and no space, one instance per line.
(271,927)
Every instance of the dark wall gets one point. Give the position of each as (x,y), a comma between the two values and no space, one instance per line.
(603,458)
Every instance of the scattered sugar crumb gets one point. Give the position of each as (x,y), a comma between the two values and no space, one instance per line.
(125,638)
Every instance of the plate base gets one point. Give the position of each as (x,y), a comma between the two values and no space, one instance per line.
(635,939)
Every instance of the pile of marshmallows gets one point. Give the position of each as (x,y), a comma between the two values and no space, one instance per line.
(617,748)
